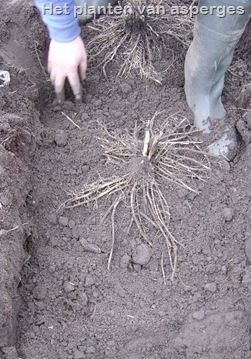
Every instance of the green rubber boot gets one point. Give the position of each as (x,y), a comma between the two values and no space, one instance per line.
(88,9)
(210,55)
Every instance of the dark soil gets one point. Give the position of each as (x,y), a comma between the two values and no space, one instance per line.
(58,301)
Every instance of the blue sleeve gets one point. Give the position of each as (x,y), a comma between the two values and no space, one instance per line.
(63,26)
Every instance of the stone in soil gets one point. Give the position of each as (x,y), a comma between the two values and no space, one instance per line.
(142,256)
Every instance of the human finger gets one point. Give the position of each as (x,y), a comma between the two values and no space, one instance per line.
(58,83)
(82,69)
(49,67)
(75,84)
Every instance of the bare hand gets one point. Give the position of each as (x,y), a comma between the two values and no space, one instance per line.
(67,60)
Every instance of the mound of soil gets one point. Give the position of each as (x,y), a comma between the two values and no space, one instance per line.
(57,298)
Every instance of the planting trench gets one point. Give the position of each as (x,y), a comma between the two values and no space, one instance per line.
(57,298)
